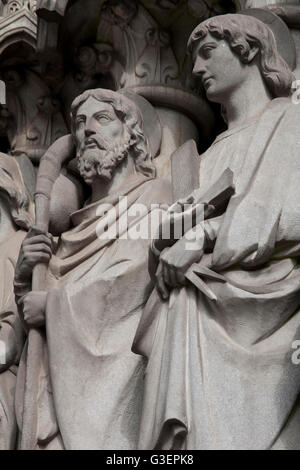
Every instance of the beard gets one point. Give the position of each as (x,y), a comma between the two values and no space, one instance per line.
(100,160)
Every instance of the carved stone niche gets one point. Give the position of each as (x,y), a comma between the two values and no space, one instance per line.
(36,118)
(32,119)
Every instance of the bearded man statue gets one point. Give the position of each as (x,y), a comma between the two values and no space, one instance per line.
(97,284)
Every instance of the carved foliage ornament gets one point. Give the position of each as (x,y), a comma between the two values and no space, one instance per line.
(157,63)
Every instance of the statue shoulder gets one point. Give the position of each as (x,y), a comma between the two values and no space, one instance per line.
(288,105)
(288,125)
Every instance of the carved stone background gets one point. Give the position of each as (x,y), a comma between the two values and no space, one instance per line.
(52,50)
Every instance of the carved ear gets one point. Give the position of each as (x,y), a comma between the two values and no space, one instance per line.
(253,53)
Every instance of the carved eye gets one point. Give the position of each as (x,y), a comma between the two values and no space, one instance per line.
(80,124)
(102,118)
(206,52)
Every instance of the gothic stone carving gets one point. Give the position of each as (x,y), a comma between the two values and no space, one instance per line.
(113,159)
(240,284)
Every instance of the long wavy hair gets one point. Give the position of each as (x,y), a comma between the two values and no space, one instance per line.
(242,33)
(14,192)
(130,116)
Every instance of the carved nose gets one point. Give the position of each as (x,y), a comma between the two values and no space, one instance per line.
(198,69)
(89,132)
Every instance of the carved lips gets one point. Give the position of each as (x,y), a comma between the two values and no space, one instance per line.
(206,82)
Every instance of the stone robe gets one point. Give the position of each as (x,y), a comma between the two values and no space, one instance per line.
(220,374)
(11,333)
(97,290)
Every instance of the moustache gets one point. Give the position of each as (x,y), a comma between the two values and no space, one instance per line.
(101,143)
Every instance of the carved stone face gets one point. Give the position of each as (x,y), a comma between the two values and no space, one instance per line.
(95,118)
(101,140)
(219,68)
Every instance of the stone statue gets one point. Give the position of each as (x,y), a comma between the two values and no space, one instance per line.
(220,371)
(15,220)
(97,285)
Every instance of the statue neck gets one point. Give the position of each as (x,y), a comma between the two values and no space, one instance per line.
(102,188)
(248,101)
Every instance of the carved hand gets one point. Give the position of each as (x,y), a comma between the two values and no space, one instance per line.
(175,261)
(36,248)
(34,305)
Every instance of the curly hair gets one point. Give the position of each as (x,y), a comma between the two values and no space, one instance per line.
(14,193)
(130,116)
(242,33)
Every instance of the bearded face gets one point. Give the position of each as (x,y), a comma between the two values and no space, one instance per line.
(97,158)
(102,140)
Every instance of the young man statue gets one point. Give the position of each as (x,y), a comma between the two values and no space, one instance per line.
(221,373)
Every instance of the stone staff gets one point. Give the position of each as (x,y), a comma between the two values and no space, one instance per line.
(51,163)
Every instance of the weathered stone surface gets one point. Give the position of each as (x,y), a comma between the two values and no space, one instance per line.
(150,115)
(16,216)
